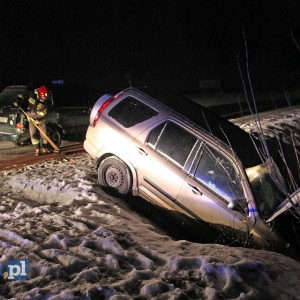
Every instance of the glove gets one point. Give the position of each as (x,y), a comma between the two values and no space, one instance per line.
(30,119)
(20,97)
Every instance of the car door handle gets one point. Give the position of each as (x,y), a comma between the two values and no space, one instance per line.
(142,151)
(196,190)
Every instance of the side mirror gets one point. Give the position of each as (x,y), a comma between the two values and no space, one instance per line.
(231,205)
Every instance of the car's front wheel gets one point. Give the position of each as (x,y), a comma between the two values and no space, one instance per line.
(114,174)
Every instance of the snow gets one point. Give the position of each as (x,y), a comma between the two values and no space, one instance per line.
(83,243)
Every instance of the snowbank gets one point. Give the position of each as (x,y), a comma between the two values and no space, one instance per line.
(84,244)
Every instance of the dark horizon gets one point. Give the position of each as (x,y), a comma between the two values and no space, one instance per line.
(107,44)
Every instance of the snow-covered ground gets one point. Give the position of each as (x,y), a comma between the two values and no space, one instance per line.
(82,243)
(283,123)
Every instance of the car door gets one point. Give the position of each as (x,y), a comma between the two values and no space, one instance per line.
(213,192)
(6,121)
(164,153)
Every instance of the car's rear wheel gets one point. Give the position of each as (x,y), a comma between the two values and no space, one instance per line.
(114,174)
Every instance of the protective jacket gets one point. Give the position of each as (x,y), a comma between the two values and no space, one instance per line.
(37,109)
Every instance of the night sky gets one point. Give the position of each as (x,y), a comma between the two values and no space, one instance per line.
(168,43)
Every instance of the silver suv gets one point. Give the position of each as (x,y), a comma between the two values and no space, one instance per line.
(178,155)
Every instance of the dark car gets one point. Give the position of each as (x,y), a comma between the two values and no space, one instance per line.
(68,115)
(11,119)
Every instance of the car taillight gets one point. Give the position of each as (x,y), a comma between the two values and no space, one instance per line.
(103,106)
(20,126)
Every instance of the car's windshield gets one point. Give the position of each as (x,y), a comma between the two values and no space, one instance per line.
(266,189)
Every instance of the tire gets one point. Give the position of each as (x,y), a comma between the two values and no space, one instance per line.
(54,134)
(114,174)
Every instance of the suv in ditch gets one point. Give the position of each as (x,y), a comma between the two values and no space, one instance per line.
(68,113)
(190,161)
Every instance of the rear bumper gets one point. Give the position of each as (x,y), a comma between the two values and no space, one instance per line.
(16,137)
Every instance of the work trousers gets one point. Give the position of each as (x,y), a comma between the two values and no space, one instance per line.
(37,139)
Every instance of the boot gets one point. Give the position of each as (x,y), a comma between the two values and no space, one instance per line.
(37,152)
(46,150)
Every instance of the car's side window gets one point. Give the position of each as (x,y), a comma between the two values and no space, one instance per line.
(173,141)
(130,112)
(217,172)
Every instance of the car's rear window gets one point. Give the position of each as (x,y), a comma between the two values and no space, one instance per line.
(8,96)
(130,112)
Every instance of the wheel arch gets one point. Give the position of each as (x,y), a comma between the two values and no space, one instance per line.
(56,125)
(55,128)
(131,168)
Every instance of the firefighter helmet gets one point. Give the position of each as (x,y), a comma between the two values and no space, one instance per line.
(42,92)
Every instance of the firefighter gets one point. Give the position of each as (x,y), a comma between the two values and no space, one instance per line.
(37,112)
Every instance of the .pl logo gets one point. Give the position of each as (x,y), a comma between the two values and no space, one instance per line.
(16,269)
